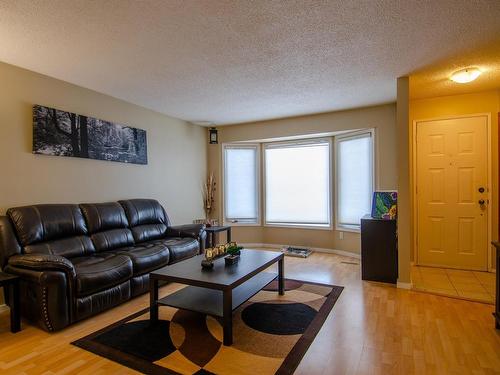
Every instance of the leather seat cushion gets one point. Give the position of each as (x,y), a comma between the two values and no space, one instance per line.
(99,272)
(181,248)
(146,257)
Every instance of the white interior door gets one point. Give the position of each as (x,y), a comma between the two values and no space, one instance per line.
(452,193)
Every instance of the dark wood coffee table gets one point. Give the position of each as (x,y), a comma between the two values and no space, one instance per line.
(218,291)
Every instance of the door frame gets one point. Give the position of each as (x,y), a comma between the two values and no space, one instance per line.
(414,182)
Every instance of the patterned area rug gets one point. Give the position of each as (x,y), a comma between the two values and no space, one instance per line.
(271,334)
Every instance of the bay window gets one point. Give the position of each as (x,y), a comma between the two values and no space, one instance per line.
(297,183)
(241,184)
(354,177)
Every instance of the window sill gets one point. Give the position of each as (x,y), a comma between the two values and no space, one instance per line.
(237,224)
(299,226)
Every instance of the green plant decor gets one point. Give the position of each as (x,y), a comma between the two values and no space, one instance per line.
(234,250)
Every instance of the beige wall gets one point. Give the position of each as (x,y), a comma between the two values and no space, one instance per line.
(457,105)
(382,118)
(176,151)
(405,227)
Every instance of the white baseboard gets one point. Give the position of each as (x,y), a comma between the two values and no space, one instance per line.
(402,285)
(318,249)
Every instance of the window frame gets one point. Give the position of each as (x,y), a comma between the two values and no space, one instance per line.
(257,147)
(352,135)
(329,226)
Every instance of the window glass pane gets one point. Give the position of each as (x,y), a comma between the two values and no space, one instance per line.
(297,183)
(241,183)
(354,179)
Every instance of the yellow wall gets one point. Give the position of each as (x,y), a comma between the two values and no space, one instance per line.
(382,118)
(457,105)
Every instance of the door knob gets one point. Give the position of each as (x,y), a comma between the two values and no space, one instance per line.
(481,202)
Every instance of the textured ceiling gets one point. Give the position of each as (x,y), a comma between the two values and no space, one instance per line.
(434,80)
(237,61)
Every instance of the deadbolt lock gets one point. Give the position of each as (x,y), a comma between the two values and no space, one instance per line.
(481,189)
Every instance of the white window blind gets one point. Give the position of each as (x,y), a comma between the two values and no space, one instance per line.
(241,184)
(354,178)
(297,183)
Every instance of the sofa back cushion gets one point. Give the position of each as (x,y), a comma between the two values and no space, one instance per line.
(51,229)
(108,225)
(147,218)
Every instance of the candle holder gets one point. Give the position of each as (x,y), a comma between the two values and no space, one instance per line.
(207,262)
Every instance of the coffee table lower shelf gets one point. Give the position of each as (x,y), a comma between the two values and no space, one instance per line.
(210,301)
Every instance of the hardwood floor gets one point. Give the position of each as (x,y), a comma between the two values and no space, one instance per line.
(373,329)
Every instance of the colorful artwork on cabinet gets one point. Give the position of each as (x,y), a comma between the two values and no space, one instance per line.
(384,205)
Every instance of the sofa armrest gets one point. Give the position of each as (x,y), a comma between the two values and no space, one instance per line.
(45,295)
(196,231)
(43,262)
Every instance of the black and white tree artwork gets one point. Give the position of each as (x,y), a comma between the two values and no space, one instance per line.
(61,133)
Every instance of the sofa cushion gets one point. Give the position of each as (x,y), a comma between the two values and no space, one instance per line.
(104,216)
(147,218)
(45,222)
(144,211)
(148,232)
(100,271)
(112,239)
(108,225)
(181,248)
(66,247)
(58,229)
(146,257)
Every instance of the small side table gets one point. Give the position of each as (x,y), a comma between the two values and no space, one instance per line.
(212,234)
(12,281)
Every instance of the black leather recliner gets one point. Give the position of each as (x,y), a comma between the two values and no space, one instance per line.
(78,260)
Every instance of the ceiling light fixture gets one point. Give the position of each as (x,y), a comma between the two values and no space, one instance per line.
(465,75)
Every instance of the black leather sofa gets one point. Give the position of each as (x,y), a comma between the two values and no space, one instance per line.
(78,260)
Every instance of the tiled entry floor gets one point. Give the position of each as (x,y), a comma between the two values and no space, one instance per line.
(472,285)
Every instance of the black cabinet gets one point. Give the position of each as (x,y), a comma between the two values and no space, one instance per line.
(379,250)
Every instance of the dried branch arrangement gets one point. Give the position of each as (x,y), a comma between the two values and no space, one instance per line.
(209,194)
